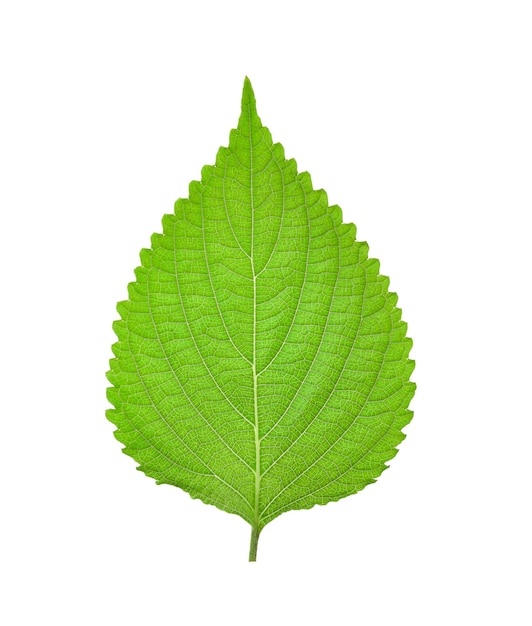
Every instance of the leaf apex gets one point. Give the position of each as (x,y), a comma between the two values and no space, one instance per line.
(248,97)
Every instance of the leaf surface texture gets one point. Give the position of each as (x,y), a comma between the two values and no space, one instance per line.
(261,362)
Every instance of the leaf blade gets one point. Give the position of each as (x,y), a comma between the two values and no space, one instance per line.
(261,362)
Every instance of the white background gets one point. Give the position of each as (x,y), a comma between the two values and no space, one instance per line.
(416,119)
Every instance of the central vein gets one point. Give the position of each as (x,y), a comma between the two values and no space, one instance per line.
(254,359)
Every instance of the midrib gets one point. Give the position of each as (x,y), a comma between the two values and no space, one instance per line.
(254,359)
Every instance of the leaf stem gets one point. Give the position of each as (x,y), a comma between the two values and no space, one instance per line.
(254,542)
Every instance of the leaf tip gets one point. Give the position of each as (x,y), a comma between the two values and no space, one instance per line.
(248,97)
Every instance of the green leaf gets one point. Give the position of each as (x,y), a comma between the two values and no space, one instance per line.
(261,362)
